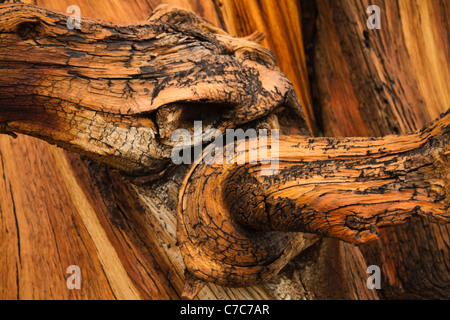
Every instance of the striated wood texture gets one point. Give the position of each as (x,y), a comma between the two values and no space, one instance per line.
(386,81)
(128,223)
(116,93)
(129,231)
(238,224)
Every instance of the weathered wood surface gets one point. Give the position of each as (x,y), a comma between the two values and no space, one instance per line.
(379,82)
(238,220)
(132,243)
(115,93)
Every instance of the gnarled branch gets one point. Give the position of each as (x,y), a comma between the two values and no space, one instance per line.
(116,93)
(107,90)
(237,225)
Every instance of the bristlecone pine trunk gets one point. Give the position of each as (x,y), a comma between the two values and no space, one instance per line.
(58,209)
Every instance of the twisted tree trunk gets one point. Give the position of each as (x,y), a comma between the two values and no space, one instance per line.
(123,227)
(238,218)
(121,235)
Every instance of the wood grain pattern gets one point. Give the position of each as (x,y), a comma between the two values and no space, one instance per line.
(61,91)
(145,243)
(138,222)
(387,81)
(237,224)
(38,242)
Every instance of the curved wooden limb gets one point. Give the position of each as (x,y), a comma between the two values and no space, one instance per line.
(236,223)
(116,92)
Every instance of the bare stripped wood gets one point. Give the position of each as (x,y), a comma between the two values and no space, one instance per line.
(387,81)
(38,242)
(236,222)
(384,81)
(65,95)
(149,266)
(167,191)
